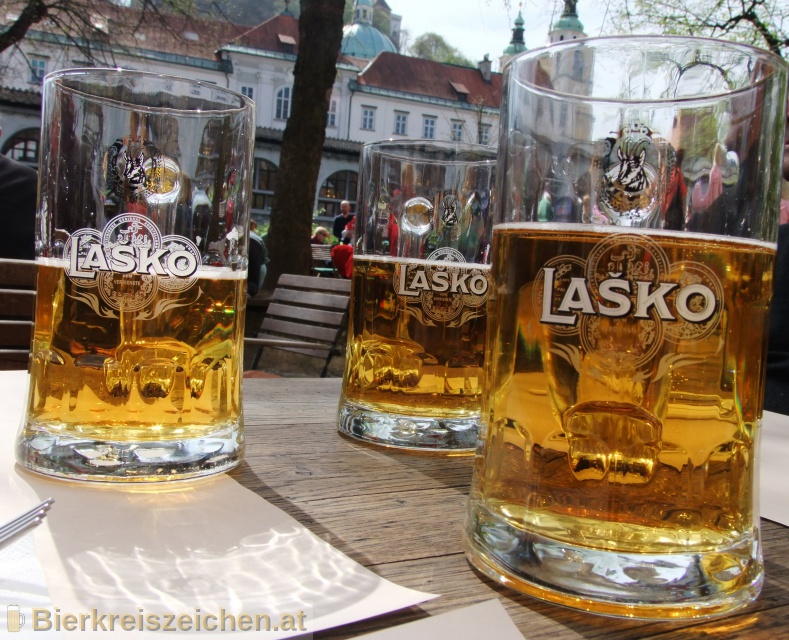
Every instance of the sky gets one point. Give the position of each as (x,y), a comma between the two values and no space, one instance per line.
(477,27)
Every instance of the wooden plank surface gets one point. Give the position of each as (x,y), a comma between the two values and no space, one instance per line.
(298,330)
(304,314)
(17,274)
(16,333)
(306,282)
(17,304)
(401,515)
(311,298)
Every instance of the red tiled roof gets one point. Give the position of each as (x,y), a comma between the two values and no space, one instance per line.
(359,63)
(24,97)
(272,35)
(177,34)
(397,72)
(210,35)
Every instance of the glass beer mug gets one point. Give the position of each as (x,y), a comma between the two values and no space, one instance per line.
(632,258)
(141,248)
(420,285)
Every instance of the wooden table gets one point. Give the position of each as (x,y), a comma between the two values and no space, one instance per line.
(401,515)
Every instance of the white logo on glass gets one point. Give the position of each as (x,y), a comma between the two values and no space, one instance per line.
(128,263)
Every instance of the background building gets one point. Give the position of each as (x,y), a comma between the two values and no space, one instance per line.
(378,93)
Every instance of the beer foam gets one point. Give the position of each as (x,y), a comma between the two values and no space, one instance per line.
(204,272)
(565,227)
(420,261)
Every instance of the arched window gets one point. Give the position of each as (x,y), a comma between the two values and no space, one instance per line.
(263,188)
(337,187)
(578,65)
(23,146)
(208,157)
(282,109)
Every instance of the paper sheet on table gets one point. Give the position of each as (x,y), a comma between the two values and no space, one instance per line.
(773,481)
(176,547)
(484,620)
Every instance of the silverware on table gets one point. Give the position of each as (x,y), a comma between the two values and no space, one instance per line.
(27,519)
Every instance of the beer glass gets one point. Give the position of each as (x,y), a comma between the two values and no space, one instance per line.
(420,284)
(627,328)
(141,245)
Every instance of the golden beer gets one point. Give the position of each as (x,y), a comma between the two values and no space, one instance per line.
(416,339)
(142,253)
(624,404)
(166,372)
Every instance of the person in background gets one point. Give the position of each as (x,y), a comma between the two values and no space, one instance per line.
(320,236)
(545,208)
(342,254)
(342,220)
(347,233)
(702,197)
(673,208)
(783,216)
(776,396)
(18,194)
(342,259)
(258,259)
(392,234)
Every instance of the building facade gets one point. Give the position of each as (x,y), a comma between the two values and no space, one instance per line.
(388,96)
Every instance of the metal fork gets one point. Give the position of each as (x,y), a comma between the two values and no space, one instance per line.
(27,519)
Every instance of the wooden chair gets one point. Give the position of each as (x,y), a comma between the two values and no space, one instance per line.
(306,315)
(321,260)
(17,310)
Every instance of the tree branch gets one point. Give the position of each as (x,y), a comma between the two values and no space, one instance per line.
(34,11)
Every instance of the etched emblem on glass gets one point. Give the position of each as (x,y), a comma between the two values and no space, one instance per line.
(450,205)
(136,169)
(629,185)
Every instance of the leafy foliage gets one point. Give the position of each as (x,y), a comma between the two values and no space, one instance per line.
(431,46)
(382,22)
(764,23)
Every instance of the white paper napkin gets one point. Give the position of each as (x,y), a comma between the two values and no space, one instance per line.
(484,620)
(194,549)
(774,457)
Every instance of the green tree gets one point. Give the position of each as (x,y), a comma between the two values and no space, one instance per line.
(431,46)
(320,34)
(759,22)
(381,21)
(347,12)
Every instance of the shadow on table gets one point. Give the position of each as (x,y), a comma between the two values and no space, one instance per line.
(590,626)
(278,500)
(183,546)
(451,471)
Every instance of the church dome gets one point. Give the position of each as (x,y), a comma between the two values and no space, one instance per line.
(517,45)
(364,41)
(514,49)
(569,23)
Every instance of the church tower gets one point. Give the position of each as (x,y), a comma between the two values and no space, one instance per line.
(361,39)
(517,44)
(568,27)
